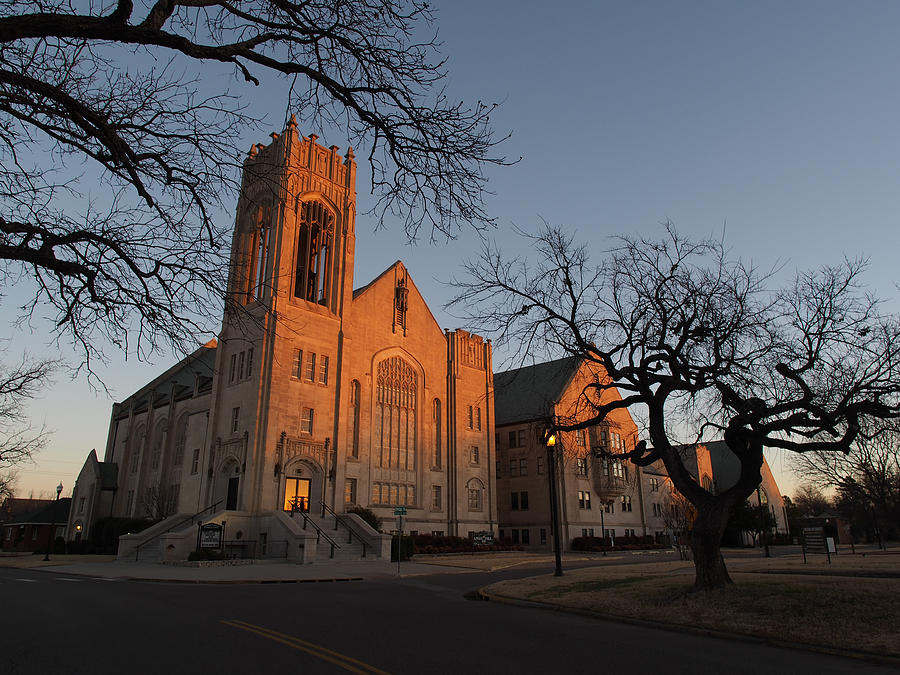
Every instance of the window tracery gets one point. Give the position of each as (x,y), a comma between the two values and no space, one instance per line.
(315,256)
(395,414)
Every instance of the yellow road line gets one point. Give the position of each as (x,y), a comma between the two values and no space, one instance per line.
(342,660)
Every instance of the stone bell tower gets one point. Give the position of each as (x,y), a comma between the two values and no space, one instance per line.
(278,360)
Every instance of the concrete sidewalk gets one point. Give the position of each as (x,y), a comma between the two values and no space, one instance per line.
(257,572)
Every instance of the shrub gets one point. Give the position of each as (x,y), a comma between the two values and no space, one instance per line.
(407,548)
(367,515)
(106,532)
(206,554)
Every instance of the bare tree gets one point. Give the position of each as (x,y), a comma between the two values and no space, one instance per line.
(678,516)
(868,476)
(159,501)
(19,440)
(809,500)
(692,337)
(114,161)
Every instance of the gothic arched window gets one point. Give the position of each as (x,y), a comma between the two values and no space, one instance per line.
(395,414)
(354,418)
(159,442)
(315,256)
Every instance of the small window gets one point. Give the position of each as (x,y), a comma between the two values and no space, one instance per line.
(520,442)
(540,465)
(581,466)
(350,491)
(654,484)
(235,419)
(471,418)
(499,469)
(306,421)
(240,375)
(250,362)
(436,497)
(311,367)
(543,535)
(323,370)
(523,500)
(514,501)
(579,437)
(475,455)
(523,466)
(526,537)
(81,501)
(584,499)
(512,439)
(232,371)
(626,503)
(297,369)
(475,497)
(513,468)
(195,461)
(478,418)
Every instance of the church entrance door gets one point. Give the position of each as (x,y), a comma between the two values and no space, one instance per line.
(296,494)
(232,498)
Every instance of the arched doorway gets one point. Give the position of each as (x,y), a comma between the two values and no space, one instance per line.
(228,483)
(301,487)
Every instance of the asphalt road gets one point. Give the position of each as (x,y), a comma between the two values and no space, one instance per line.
(53,623)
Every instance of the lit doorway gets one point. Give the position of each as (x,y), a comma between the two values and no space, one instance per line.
(296,494)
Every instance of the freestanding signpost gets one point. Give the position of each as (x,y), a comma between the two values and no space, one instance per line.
(399,511)
(814,541)
(209,536)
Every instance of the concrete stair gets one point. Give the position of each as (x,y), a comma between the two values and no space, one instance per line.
(344,550)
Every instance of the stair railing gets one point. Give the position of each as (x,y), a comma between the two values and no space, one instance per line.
(319,531)
(212,508)
(351,530)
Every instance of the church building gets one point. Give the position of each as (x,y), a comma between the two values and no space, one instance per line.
(317,396)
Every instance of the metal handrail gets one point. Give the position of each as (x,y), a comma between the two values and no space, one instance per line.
(137,549)
(319,531)
(350,530)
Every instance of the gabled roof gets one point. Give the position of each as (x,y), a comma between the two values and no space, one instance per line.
(529,393)
(56,511)
(13,507)
(412,286)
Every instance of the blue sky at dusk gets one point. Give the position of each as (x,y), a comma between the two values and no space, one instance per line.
(775,121)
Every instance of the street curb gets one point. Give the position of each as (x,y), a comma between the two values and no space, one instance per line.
(153,580)
(871,657)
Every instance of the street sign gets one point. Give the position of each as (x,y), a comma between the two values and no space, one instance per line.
(399,510)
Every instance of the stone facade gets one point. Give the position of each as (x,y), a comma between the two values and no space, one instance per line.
(597,497)
(314,393)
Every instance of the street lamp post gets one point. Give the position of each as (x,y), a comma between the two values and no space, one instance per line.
(762,523)
(603,527)
(550,441)
(52,537)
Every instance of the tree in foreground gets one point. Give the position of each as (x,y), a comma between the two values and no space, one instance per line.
(118,145)
(693,339)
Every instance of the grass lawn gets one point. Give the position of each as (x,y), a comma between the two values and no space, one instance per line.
(844,612)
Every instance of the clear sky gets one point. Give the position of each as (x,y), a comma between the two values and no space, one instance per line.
(775,121)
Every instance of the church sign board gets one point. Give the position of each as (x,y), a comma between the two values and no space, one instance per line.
(210,536)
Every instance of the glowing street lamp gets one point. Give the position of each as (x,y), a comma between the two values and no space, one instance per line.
(52,537)
(550,442)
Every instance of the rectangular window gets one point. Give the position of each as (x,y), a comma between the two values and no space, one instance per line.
(626,503)
(474,499)
(609,507)
(520,442)
(129,502)
(232,371)
(240,375)
(543,535)
(470,421)
(250,362)
(540,465)
(81,505)
(515,536)
(306,421)
(478,418)
(195,461)
(657,510)
(514,501)
(523,466)
(512,439)
(350,491)
(235,418)
(311,367)
(523,500)
(323,370)
(513,468)
(499,469)
(526,537)
(654,484)
(579,437)
(584,499)
(475,455)
(581,466)
(436,497)
(297,369)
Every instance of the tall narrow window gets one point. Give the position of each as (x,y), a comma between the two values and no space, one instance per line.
(478,418)
(180,440)
(314,253)
(261,259)
(437,433)
(310,367)
(354,418)
(395,414)
(235,419)
(306,421)
(297,369)
(323,370)
(250,362)
(159,441)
